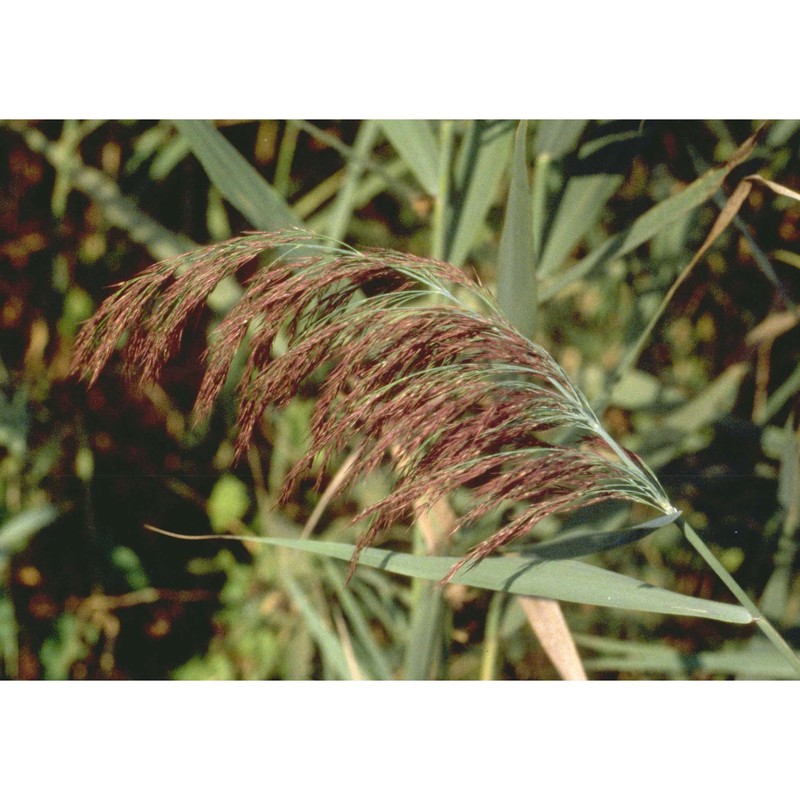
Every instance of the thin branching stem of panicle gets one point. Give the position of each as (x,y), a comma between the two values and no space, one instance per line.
(423,372)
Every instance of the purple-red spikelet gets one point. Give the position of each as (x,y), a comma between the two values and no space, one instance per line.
(452,396)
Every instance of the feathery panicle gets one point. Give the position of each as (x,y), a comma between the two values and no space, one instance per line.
(451,395)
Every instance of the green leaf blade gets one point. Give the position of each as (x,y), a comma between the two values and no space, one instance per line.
(415,143)
(516,279)
(569,581)
(556,137)
(481,161)
(236,179)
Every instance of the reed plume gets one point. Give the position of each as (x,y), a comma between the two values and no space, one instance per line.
(422,372)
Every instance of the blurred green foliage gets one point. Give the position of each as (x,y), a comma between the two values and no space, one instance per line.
(617,210)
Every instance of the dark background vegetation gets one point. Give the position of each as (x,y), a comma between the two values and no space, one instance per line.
(87,592)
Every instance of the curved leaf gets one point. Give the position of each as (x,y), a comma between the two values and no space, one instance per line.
(571,581)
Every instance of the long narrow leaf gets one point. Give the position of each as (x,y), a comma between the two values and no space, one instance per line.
(651,222)
(378,664)
(482,159)
(516,275)
(416,144)
(571,581)
(342,207)
(238,181)
(556,137)
(584,198)
(329,644)
(761,663)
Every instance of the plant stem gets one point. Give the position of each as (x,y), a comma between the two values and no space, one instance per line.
(491,639)
(285,157)
(763,623)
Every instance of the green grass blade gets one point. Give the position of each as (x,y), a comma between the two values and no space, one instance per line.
(570,581)
(763,623)
(441,206)
(584,543)
(236,179)
(380,598)
(592,179)
(371,184)
(378,665)
(491,639)
(556,137)
(658,218)
(482,159)
(425,634)
(779,397)
(283,164)
(327,641)
(716,400)
(516,267)
(625,656)
(342,207)
(168,157)
(584,199)
(416,144)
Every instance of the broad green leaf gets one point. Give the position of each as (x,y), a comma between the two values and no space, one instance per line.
(570,581)
(414,141)
(638,390)
(482,159)
(516,268)
(556,137)
(236,179)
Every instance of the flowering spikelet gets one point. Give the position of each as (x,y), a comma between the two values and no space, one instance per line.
(423,371)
